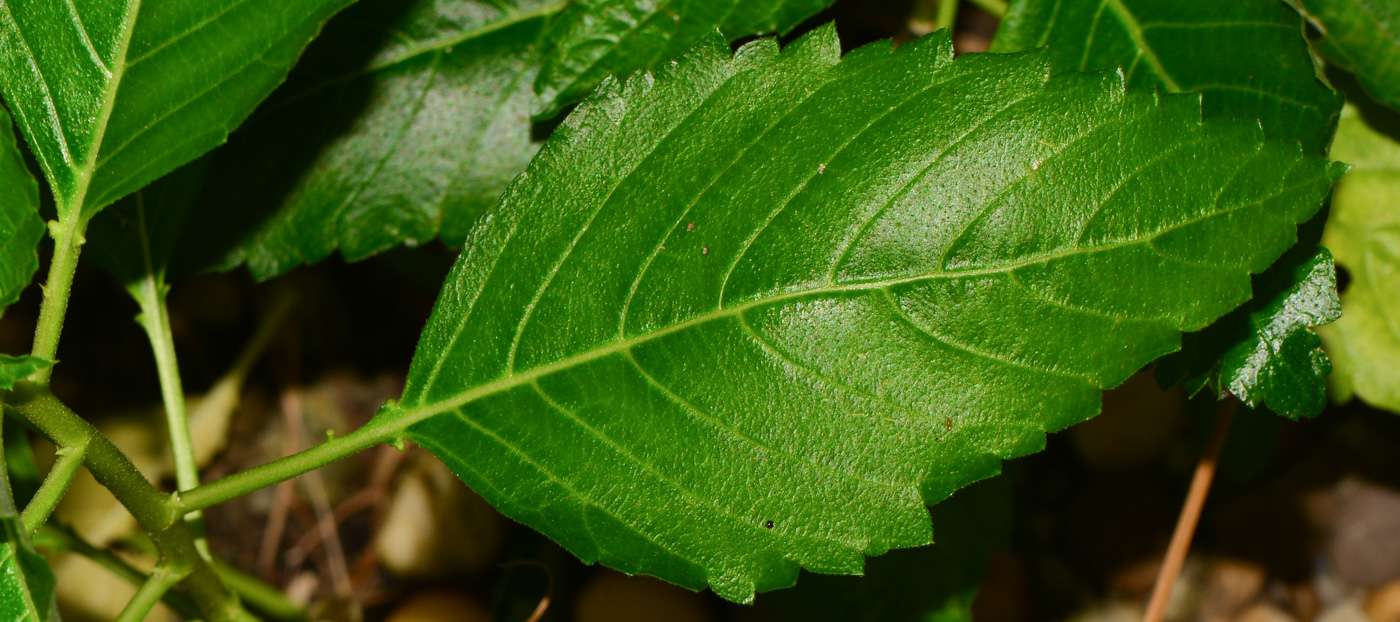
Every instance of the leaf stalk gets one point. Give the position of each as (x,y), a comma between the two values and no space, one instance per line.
(52,490)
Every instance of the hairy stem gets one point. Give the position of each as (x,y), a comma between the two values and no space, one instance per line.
(151,508)
(278,471)
(55,485)
(150,294)
(1190,513)
(67,245)
(151,591)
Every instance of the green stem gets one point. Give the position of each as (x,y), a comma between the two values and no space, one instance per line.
(947,14)
(155,318)
(151,591)
(52,538)
(55,484)
(151,508)
(259,595)
(67,245)
(277,471)
(996,7)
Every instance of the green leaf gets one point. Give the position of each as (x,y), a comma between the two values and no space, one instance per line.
(26,581)
(136,237)
(753,313)
(16,368)
(1265,353)
(20,224)
(112,95)
(935,583)
(1248,58)
(406,121)
(403,120)
(1364,234)
(1361,37)
(593,39)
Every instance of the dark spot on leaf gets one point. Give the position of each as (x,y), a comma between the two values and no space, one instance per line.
(768,524)
(705,251)
(948,422)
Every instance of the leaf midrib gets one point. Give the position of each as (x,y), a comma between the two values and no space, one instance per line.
(1135,31)
(394,420)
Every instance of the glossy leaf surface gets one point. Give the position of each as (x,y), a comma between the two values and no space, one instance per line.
(1364,234)
(593,39)
(752,314)
(1266,352)
(1248,58)
(1363,37)
(20,224)
(936,583)
(112,95)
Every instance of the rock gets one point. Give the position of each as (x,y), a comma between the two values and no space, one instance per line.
(438,606)
(1231,586)
(615,597)
(1365,544)
(435,525)
(1346,611)
(1264,612)
(1384,603)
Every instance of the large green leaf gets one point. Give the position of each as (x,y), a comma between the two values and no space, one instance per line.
(1363,37)
(111,95)
(596,38)
(1364,234)
(936,583)
(26,581)
(1248,58)
(752,313)
(20,224)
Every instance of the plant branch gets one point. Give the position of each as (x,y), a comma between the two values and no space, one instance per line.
(53,538)
(995,7)
(1190,512)
(151,508)
(151,591)
(55,485)
(947,14)
(277,471)
(67,245)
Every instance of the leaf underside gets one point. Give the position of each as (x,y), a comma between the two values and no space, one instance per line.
(752,313)
(107,94)
(1248,58)
(20,225)
(1364,234)
(1360,36)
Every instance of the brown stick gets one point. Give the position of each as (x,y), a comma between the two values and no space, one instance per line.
(1190,512)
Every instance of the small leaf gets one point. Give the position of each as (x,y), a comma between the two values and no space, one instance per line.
(936,583)
(1248,58)
(20,225)
(1360,36)
(593,39)
(1265,352)
(16,368)
(752,313)
(26,581)
(1364,234)
(114,94)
